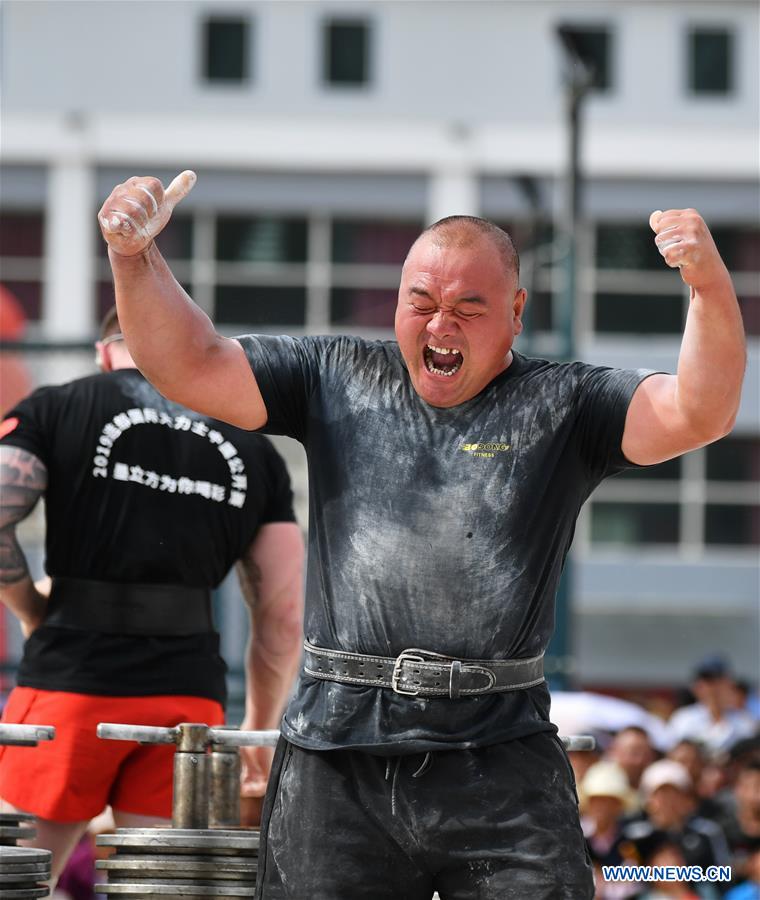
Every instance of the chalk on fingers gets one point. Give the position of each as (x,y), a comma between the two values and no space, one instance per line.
(180,187)
(654,219)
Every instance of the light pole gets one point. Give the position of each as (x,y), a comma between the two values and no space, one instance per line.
(579,77)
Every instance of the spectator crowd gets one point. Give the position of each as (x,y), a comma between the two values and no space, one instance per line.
(693,801)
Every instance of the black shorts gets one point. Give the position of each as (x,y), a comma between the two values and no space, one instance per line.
(496,822)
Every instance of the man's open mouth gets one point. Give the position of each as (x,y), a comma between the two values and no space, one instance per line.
(442,360)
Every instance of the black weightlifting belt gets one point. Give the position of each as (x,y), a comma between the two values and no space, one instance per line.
(130,609)
(421,673)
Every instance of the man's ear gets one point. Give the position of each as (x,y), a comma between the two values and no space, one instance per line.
(518,305)
(102,360)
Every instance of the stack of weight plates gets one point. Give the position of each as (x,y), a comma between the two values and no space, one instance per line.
(23,871)
(180,862)
(14,826)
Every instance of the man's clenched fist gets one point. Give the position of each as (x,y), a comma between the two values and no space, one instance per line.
(685,242)
(138,210)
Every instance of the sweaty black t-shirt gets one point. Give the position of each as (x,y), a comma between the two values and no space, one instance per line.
(443,529)
(143,491)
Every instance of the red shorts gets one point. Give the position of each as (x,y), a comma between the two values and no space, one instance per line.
(74,777)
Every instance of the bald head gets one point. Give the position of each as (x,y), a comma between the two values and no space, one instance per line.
(468,231)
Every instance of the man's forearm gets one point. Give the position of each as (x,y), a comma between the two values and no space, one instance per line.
(23,478)
(25,602)
(271,579)
(712,359)
(269,681)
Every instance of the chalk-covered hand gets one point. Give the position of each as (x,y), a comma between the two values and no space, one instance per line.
(685,242)
(138,210)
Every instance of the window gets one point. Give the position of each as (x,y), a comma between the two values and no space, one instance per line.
(750,309)
(21,259)
(739,246)
(346,53)
(538,314)
(356,241)
(257,305)
(734,459)
(710,61)
(367,257)
(176,239)
(634,523)
(363,307)
(732,524)
(627,247)
(225,50)
(638,314)
(705,500)
(265,239)
(594,47)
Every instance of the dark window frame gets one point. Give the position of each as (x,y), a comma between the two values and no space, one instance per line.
(608,87)
(326,78)
(709,29)
(247,63)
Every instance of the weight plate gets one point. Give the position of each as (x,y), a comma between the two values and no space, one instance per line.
(15,817)
(183,841)
(180,867)
(146,891)
(24,868)
(26,893)
(11,855)
(16,832)
(22,877)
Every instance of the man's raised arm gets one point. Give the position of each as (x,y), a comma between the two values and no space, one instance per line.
(671,414)
(172,340)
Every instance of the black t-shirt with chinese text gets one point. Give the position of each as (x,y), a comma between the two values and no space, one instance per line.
(441,529)
(140,491)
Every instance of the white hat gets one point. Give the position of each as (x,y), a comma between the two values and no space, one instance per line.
(606,779)
(665,771)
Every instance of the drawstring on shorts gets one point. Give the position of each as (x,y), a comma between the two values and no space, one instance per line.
(418,773)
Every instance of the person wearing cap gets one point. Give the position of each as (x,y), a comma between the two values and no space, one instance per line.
(670,807)
(712,720)
(605,796)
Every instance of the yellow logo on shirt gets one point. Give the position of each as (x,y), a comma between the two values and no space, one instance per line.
(485,449)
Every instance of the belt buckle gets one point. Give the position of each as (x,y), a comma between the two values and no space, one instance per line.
(404,656)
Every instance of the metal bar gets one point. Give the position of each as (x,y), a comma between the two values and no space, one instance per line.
(575,742)
(33,733)
(230,738)
(144,734)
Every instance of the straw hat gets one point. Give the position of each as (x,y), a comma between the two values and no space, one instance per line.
(606,779)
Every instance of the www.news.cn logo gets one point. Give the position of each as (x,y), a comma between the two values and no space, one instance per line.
(666,873)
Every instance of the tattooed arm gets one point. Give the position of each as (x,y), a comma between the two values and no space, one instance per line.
(23,479)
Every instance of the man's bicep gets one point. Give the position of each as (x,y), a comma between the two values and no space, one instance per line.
(224,387)
(23,479)
(655,430)
(277,554)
